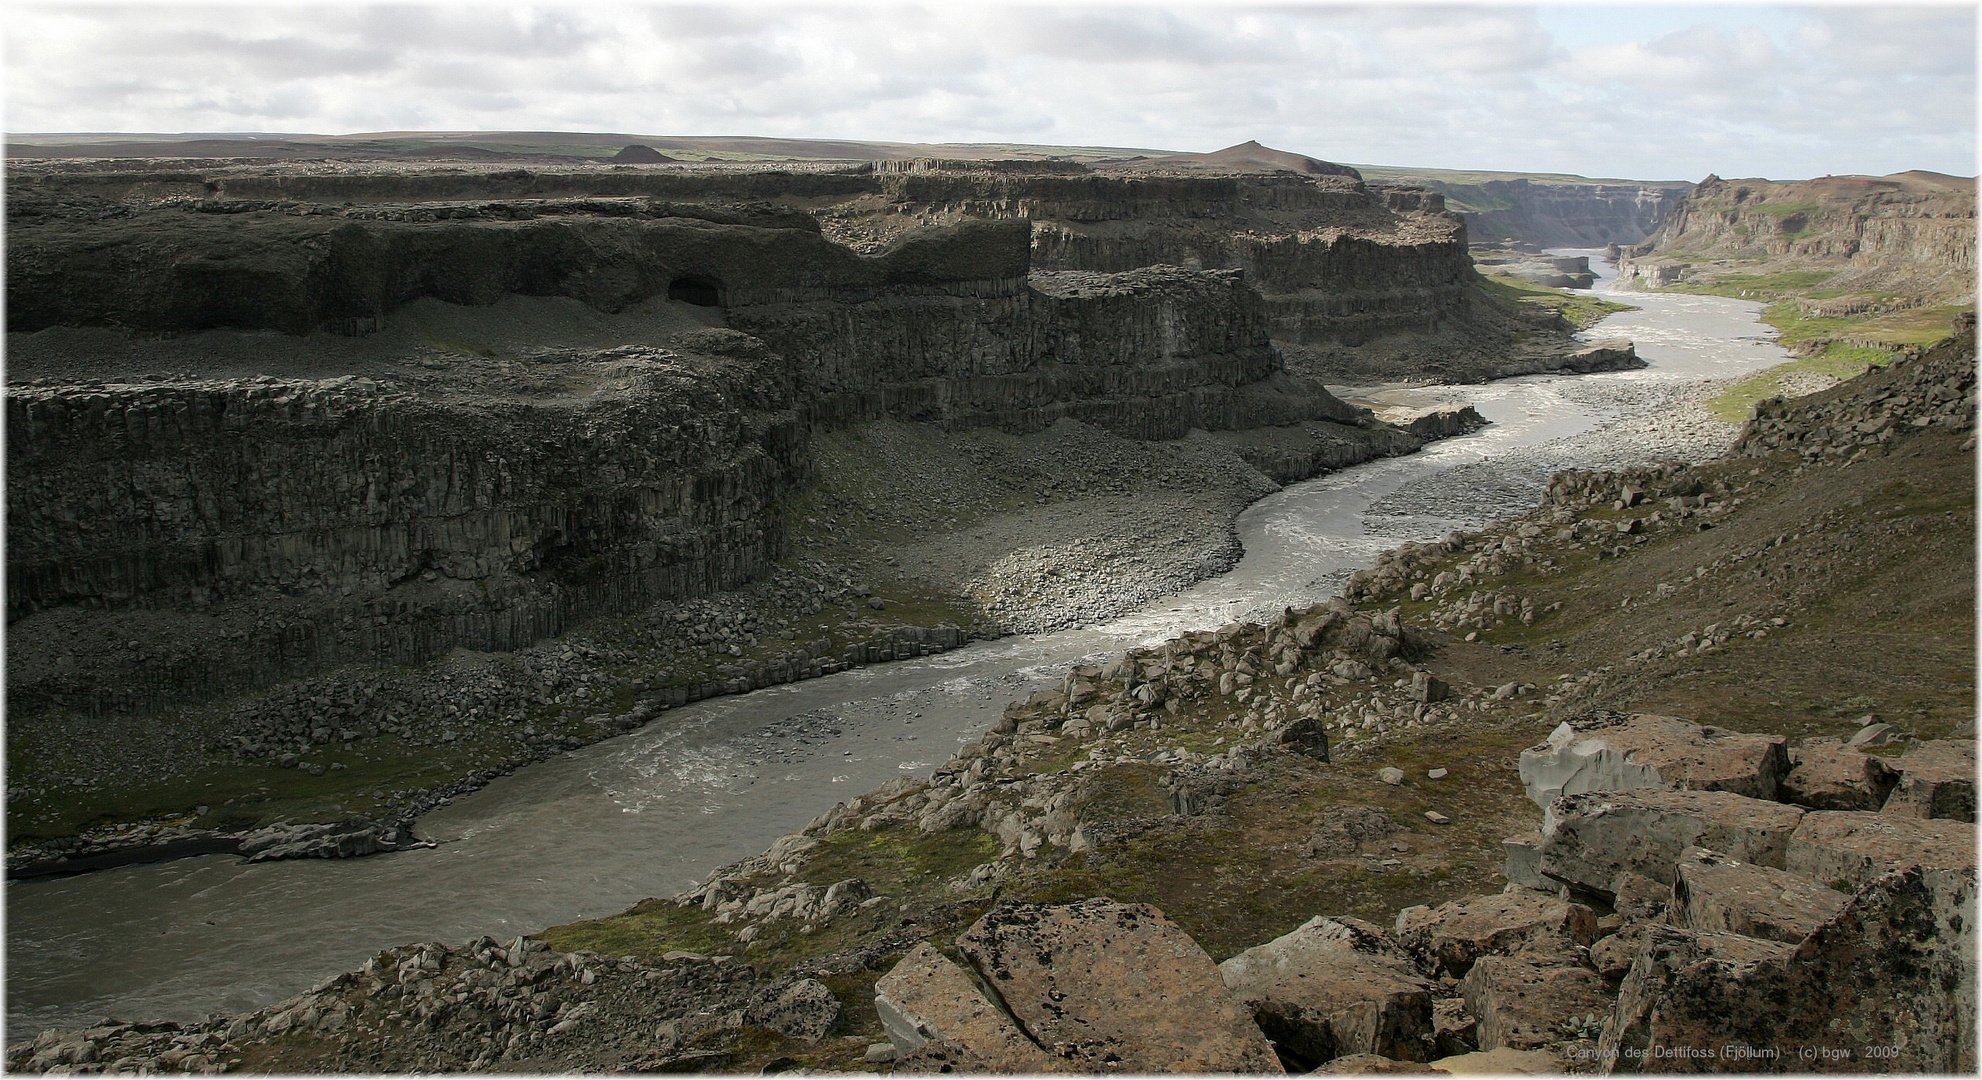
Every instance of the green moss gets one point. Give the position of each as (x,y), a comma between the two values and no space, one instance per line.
(650,929)
(903,856)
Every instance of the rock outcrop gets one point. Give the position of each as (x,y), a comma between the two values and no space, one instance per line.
(1910,233)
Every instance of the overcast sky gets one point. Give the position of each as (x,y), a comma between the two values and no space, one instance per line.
(1650,92)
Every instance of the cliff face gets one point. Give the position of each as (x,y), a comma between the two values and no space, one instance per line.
(371,510)
(1503,210)
(1909,233)
(374,521)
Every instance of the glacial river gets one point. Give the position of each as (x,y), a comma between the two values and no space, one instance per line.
(647,813)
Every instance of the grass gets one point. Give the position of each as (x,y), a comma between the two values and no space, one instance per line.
(1579,309)
(1775,286)
(1737,403)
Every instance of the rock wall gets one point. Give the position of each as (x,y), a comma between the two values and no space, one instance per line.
(1545,213)
(361,521)
(1909,232)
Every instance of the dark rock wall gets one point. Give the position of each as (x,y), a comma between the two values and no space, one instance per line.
(397,525)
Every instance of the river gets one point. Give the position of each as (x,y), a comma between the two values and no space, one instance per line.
(647,813)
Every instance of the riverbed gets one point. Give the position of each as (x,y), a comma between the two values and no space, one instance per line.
(648,813)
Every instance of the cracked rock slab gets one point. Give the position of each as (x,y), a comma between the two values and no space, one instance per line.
(1936,780)
(1115,987)
(1714,893)
(1523,1001)
(927,999)
(1825,774)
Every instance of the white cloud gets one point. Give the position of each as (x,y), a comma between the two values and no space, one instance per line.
(1803,92)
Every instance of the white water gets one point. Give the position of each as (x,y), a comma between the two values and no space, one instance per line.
(645,814)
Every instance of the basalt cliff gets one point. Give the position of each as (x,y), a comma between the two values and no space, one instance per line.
(266,421)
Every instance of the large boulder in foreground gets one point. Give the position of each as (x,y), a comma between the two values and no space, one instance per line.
(1115,987)
(1452,936)
(1590,840)
(1523,1001)
(1892,973)
(1647,751)
(927,999)
(1335,988)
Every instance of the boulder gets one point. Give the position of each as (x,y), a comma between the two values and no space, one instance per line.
(1524,1001)
(928,999)
(1453,1029)
(1367,1063)
(1590,840)
(1637,898)
(1837,847)
(1677,972)
(1335,988)
(1500,1061)
(1343,830)
(1893,970)
(1936,780)
(342,840)
(1117,987)
(1878,734)
(1825,774)
(1647,751)
(805,1009)
(1712,892)
(1307,736)
(1521,862)
(1454,935)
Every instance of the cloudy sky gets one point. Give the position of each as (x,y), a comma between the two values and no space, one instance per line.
(1643,91)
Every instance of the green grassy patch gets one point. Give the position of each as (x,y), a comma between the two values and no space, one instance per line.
(1756,286)
(1578,308)
(904,857)
(649,929)
(1737,403)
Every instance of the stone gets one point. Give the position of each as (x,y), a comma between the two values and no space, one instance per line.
(1437,818)
(806,1009)
(1936,780)
(1450,938)
(1637,898)
(1714,893)
(1343,830)
(1428,688)
(1523,1001)
(1647,751)
(1676,969)
(1391,775)
(1522,859)
(1500,1061)
(1335,987)
(1878,734)
(1355,1064)
(1849,849)
(342,840)
(1453,1029)
(1307,736)
(1894,968)
(1589,840)
(1103,985)
(1437,774)
(880,1053)
(1825,774)
(925,999)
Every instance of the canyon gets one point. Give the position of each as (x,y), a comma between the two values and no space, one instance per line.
(267,421)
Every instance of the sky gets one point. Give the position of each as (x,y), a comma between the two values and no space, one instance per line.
(1655,92)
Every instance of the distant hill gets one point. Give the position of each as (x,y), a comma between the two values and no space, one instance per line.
(1251,157)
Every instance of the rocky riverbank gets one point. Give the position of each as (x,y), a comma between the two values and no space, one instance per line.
(1267,798)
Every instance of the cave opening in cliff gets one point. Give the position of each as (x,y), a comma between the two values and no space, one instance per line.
(696,289)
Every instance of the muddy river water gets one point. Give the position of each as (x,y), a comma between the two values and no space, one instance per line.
(647,813)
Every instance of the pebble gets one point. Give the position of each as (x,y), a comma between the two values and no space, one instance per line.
(1437,818)
(1391,775)
(1437,774)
